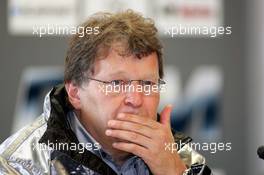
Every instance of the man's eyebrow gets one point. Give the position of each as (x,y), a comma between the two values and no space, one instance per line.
(122,73)
(117,73)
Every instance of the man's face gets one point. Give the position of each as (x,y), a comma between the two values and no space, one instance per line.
(97,107)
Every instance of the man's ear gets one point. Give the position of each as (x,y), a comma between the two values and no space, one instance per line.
(73,94)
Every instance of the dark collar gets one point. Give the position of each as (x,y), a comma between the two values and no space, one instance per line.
(59,131)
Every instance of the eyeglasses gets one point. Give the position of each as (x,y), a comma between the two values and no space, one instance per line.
(148,87)
(129,82)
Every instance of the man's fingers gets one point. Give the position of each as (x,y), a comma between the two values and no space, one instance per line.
(129,136)
(132,148)
(138,119)
(131,126)
(166,115)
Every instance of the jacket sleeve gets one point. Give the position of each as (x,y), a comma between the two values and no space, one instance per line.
(195,162)
(7,169)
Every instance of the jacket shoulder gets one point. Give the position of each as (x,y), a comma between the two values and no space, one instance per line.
(11,144)
(21,149)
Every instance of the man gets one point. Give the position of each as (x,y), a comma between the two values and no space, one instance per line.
(103,119)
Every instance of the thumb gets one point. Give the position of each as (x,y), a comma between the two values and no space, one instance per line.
(166,115)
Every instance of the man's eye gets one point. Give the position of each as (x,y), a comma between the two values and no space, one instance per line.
(117,82)
(147,82)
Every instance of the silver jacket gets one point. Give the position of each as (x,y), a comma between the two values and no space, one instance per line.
(23,153)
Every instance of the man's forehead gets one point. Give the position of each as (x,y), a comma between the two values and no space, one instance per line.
(123,66)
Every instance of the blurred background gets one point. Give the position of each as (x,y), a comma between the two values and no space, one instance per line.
(216,83)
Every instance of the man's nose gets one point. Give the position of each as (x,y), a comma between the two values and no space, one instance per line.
(134,98)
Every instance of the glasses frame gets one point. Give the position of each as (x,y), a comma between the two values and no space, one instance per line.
(129,82)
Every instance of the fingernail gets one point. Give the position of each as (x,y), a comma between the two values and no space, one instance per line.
(108,132)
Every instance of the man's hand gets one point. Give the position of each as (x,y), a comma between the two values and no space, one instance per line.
(146,138)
